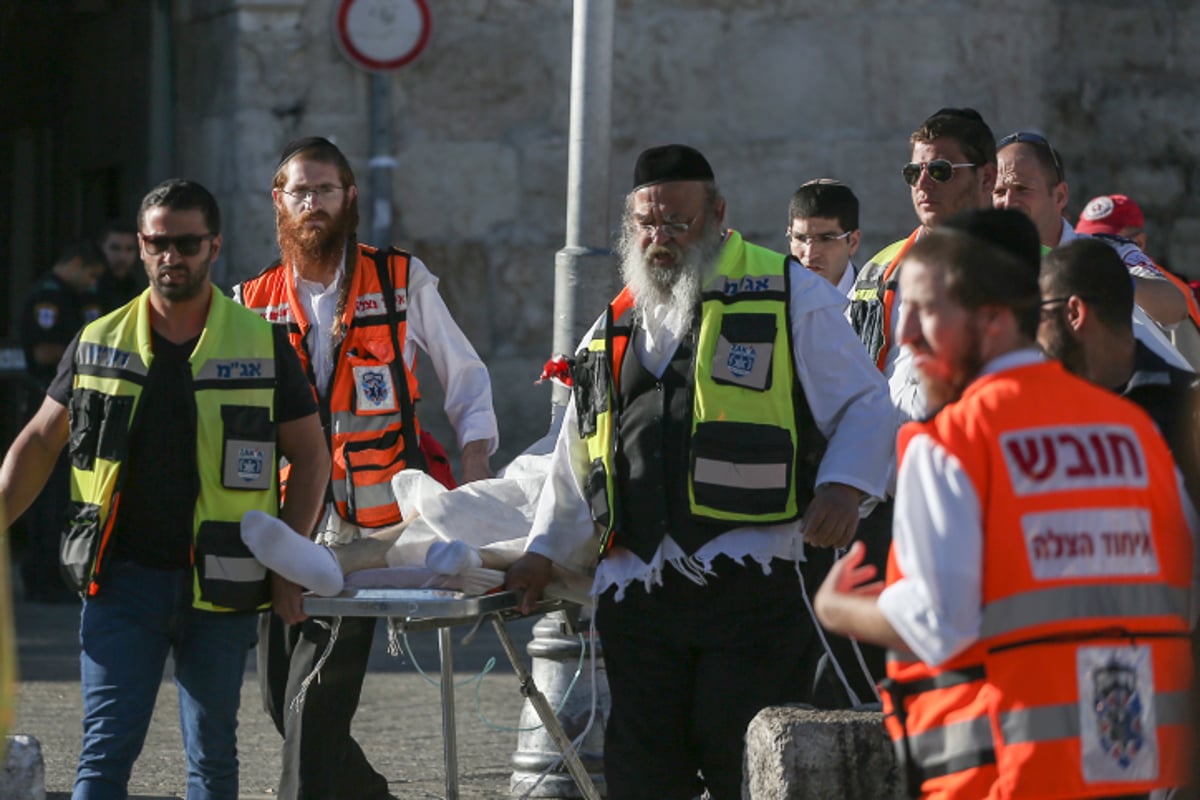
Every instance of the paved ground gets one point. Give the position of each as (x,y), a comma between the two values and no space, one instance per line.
(398,722)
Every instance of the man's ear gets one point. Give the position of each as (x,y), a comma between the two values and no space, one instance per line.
(854,240)
(1078,312)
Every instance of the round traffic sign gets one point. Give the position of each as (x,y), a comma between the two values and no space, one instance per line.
(381,35)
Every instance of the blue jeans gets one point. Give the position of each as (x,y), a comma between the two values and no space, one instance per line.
(126,631)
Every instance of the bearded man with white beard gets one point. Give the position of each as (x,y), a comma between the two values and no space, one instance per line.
(356,316)
(724,415)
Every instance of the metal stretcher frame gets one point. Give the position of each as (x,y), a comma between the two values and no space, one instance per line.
(425,609)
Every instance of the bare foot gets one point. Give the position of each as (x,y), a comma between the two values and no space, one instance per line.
(370,551)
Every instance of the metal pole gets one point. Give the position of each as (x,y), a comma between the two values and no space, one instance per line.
(583,272)
(382,161)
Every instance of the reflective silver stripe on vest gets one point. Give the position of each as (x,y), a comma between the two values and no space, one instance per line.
(956,740)
(236,369)
(749,285)
(742,476)
(349,422)
(102,356)
(1047,723)
(1073,603)
(238,570)
(370,496)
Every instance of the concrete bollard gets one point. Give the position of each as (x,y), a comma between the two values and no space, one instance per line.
(801,753)
(555,657)
(24,776)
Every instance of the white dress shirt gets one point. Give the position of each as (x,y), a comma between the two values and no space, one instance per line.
(849,403)
(937,538)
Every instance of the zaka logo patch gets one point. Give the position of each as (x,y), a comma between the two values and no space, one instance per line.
(741,360)
(250,463)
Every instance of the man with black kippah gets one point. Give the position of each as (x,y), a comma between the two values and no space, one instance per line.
(355,315)
(724,415)
(1036,602)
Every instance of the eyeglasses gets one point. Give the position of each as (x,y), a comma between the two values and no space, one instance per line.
(321,193)
(672,230)
(1036,139)
(940,169)
(817,238)
(187,244)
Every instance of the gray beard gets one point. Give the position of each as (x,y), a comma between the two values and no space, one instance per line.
(678,287)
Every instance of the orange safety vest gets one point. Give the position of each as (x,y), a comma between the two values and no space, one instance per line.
(873,303)
(1078,683)
(367,410)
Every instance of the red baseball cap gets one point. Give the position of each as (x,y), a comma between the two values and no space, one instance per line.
(1110,213)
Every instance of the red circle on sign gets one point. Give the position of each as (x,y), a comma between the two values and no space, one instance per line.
(356,54)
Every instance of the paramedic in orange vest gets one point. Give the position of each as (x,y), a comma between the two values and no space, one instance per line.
(952,168)
(1037,595)
(351,312)
(1119,221)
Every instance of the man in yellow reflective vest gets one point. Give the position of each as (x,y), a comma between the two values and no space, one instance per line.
(724,416)
(177,408)
(1036,606)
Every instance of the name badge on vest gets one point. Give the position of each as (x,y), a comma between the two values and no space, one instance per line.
(248,464)
(744,350)
(375,390)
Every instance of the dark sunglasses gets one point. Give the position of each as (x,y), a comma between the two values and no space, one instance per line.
(1037,140)
(187,244)
(939,169)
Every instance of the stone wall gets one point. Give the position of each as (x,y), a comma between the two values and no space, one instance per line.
(774,92)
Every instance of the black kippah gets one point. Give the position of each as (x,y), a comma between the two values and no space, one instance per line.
(1003,228)
(670,162)
(296,145)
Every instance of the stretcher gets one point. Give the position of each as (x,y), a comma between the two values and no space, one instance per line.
(428,609)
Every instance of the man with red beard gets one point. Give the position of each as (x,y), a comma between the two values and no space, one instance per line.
(724,416)
(1036,603)
(356,316)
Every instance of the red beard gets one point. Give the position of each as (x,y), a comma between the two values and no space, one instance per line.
(301,244)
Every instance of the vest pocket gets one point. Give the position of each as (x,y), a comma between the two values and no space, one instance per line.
(742,467)
(597,493)
(374,381)
(248,448)
(77,547)
(744,350)
(229,575)
(99,427)
(589,376)
(370,465)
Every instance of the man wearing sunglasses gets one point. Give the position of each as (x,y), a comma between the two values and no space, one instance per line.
(952,169)
(356,316)
(177,407)
(1031,179)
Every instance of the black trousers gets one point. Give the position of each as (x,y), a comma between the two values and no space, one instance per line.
(688,668)
(321,760)
(875,532)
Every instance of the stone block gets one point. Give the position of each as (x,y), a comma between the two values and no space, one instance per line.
(800,753)
(24,776)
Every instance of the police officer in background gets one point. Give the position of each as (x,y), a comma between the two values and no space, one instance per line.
(63,300)
(124,278)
